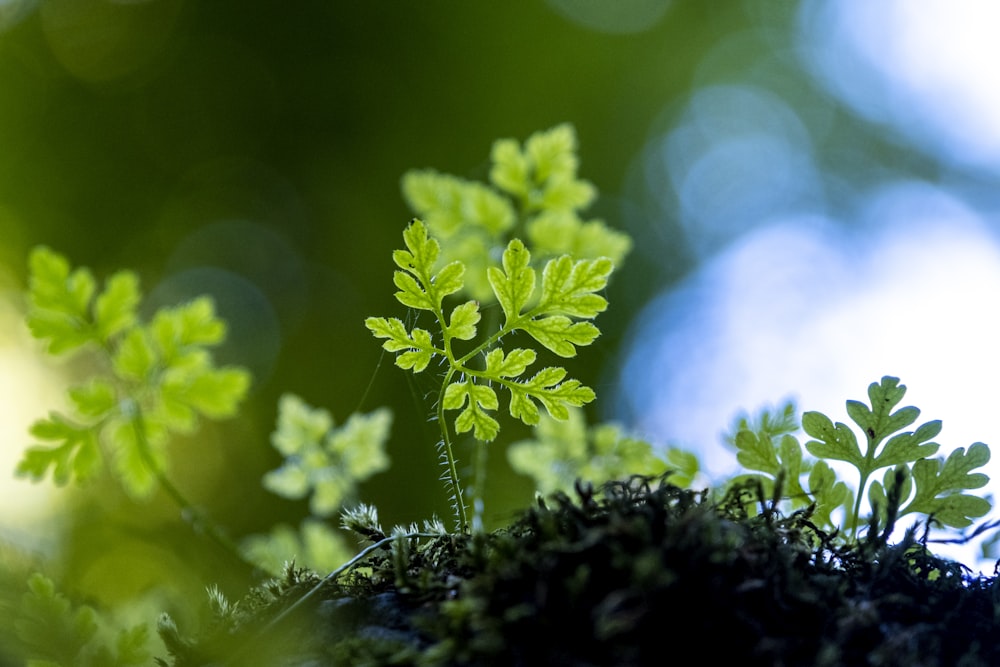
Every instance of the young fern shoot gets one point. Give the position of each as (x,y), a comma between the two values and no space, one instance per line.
(934,487)
(555,314)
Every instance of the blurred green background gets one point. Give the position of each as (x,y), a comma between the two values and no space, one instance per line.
(253,151)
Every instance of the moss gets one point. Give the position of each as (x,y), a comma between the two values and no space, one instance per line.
(637,573)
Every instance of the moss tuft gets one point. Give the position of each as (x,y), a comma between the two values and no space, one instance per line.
(632,574)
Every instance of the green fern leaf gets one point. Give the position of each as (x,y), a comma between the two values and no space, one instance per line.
(550,389)
(512,364)
(72,455)
(415,348)
(515,284)
(476,400)
(939,484)
(322,459)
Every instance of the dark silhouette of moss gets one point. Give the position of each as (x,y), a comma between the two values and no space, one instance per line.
(635,573)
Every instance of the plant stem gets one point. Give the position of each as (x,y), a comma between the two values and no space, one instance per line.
(198,521)
(451,467)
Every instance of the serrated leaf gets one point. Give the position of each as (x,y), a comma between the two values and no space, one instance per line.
(132,458)
(908,447)
(542,174)
(95,399)
(828,492)
(515,284)
(568,287)
(835,442)
(684,467)
(299,425)
(213,392)
(476,399)
(566,193)
(552,153)
(115,308)
(360,444)
(132,645)
(410,293)
(463,321)
(756,453)
(878,492)
(939,484)
(419,286)
(513,364)
(561,452)
(180,331)
(549,389)
(59,302)
(314,545)
(288,481)
(595,239)
(74,454)
(446,281)
(326,461)
(52,627)
(135,358)
(560,334)
(510,168)
(415,348)
(879,421)
(421,250)
(482,207)
(555,233)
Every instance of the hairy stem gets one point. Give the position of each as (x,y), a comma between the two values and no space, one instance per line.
(451,467)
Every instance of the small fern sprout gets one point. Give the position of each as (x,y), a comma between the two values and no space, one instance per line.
(919,482)
(548,292)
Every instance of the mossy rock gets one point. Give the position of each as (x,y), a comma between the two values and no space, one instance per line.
(639,573)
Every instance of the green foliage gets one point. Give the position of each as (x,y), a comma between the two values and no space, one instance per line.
(548,288)
(568,291)
(933,487)
(555,316)
(503,272)
(314,545)
(58,633)
(323,460)
(535,195)
(156,377)
(564,452)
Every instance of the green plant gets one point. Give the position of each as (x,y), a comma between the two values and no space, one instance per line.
(568,291)
(562,453)
(149,380)
(61,633)
(473,221)
(933,487)
(504,273)
(327,462)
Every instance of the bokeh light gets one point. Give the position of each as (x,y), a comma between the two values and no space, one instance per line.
(827,257)
(925,71)
(812,190)
(27,384)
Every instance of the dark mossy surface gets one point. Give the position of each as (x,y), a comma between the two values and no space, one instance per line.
(638,573)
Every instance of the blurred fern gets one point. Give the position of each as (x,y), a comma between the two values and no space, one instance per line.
(326,462)
(150,379)
(59,633)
